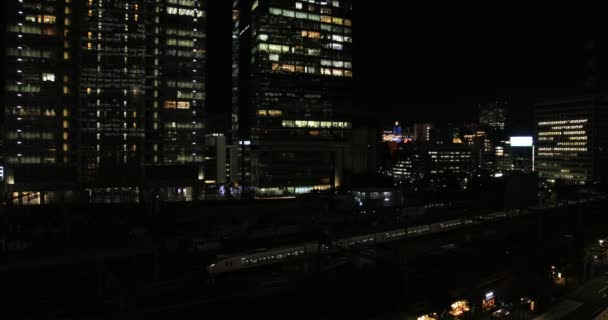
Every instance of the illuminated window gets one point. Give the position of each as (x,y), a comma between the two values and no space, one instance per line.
(275,113)
(48,77)
(262,113)
(298,5)
(311,34)
(273,57)
(288,68)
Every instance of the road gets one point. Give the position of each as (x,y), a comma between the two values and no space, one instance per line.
(584,303)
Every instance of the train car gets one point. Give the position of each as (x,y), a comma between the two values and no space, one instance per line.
(392,235)
(447,225)
(416,231)
(366,239)
(261,258)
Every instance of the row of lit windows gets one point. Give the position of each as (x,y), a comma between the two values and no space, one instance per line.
(314,124)
(49,31)
(335,3)
(336,72)
(290,190)
(28,88)
(550,123)
(337,64)
(317,35)
(310,16)
(448,152)
(270,113)
(176,105)
(185,12)
(29,53)
(291,68)
(184,125)
(31,160)
(181,43)
(562,149)
(185,85)
(30,111)
(274,48)
(47,19)
(186,3)
(185,33)
(580,126)
(194,53)
(30,135)
(559,133)
(572,143)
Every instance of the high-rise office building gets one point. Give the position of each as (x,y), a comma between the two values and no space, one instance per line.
(107,95)
(296,73)
(112,98)
(492,117)
(176,110)
(423,132)
(38,108)
(572,139)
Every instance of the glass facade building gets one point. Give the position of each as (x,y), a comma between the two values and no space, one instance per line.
(38,108)
(105,96)
(299,86)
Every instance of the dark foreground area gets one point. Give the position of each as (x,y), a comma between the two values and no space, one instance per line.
(511,259)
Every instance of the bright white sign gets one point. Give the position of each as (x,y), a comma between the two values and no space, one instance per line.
(1,173)
(521,141)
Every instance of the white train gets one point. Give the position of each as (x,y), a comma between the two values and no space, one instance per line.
(271,256)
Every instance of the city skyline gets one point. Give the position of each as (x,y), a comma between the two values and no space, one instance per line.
(301,159)
(420,58)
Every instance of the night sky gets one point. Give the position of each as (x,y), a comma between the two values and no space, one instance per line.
(431,61)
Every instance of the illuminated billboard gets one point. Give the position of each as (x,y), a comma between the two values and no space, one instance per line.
(521,141)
